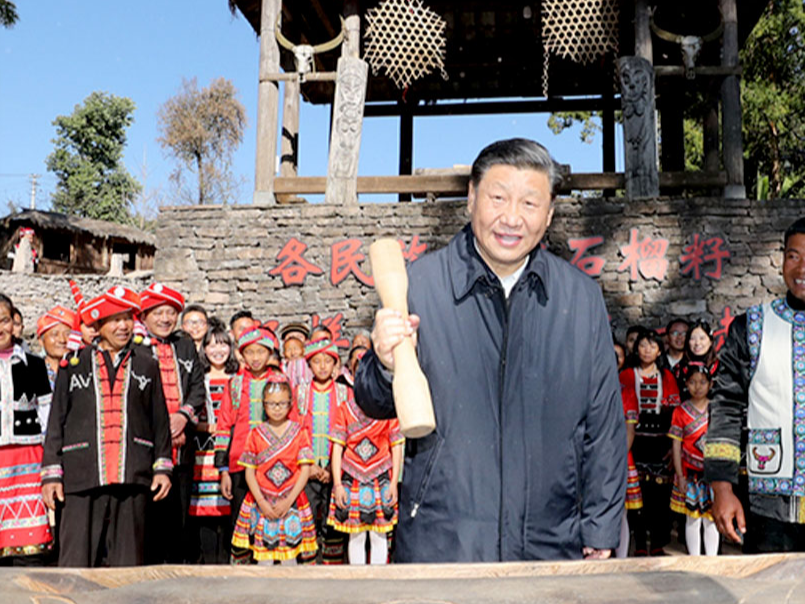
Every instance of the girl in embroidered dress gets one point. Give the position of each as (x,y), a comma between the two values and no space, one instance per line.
(365,464)
(657,396)
(275,521)
(692,496)
(208,506)
(24,393)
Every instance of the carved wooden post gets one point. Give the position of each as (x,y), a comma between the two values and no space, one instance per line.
(731,106)
(639,127)
(345,137)
(352,18)
(642,31)
(267,106)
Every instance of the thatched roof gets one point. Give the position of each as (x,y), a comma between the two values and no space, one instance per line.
(63,222)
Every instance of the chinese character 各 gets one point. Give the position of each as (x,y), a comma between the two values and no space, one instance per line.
(294,268)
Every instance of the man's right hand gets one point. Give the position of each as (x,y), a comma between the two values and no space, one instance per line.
(226,486)
(52,491)
(726,509)
(389,331)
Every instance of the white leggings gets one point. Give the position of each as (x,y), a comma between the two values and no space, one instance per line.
(289,562)
(693,536)
(378,548)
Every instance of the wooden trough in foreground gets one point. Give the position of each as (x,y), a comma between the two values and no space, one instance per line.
(769,579)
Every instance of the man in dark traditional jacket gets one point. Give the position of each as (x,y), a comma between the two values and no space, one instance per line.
(169,538)
(528,460)
(757,417)
(108,441)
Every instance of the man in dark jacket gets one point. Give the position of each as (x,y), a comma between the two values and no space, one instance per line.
(108,441)
(528,460)
(170,538)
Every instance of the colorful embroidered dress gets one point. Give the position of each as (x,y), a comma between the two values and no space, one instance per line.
(206,498)
(689,425)
(316,409)
(240,412)
(366,467)
(24,527)
(634,496)
(277,461)
(657,396)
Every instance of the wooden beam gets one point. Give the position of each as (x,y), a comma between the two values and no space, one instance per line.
(491,107)
(315,76)
(456,184)
(713,71)
(267,106)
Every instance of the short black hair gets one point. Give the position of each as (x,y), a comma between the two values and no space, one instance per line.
(685,322)
(521,153)
(798,227)
(194,308)
(241,314)
(6,301)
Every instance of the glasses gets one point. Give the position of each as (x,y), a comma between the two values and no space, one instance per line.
(195,323)
(679,333)
(278,405)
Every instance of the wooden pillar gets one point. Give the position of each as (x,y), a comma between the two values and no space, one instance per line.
(289,145)
(267,105)
(710,148)
(731,117)
(642,31)
(406,144)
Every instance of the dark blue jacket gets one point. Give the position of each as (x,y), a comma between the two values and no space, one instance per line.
(528,460)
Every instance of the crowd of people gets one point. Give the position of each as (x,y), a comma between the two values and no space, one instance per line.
(150,432)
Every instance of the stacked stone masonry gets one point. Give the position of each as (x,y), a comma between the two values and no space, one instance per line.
(231,257)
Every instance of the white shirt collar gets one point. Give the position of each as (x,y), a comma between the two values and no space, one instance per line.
(509,282)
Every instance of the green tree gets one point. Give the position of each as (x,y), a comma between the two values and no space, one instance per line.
(773,96)
(202,129)
(87,160)
(8,13)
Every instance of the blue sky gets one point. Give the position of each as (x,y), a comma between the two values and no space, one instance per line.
(59,52)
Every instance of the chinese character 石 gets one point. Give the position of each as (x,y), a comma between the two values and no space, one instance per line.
(694,257)
(646,257)
(334,325)
(592,265)
(346,258)
(294,268)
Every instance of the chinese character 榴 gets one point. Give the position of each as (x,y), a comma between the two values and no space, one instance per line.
(646,257)
(591,265)
(294,268)
(346,258)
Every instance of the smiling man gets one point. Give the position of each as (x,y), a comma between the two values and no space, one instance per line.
(528,460)
(757,417)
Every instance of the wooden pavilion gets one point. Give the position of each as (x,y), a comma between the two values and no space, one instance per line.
(510,57)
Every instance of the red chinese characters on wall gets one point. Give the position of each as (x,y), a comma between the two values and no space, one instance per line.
(334,325)
(644,257)
(346,258)
(293,267)
(700,252)
(720,334)
(591,265)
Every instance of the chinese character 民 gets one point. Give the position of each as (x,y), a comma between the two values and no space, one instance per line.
(646,257)
(294,268)
(346,258)
(414,250)
(591,265)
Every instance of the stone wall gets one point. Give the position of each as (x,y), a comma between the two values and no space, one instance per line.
(235,257)
(36,294)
